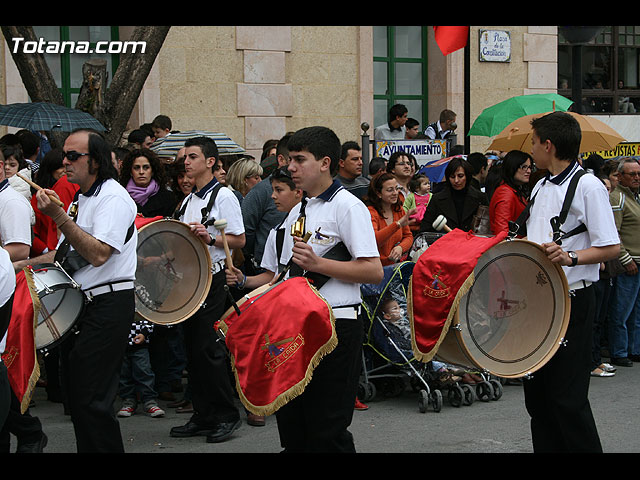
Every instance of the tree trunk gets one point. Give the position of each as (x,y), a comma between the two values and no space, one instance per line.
(117,102)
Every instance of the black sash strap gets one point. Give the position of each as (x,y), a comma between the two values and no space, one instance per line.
(206,221)
(519,227)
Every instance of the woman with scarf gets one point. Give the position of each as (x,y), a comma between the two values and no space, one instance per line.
(457,201)
(144,178)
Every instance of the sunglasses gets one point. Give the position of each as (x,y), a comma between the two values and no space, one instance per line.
(73,155)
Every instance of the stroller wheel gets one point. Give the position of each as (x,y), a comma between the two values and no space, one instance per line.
(485,392)
(423,401)
(366,391)
(497,389)
(469,394)
(456,396)
(436,399)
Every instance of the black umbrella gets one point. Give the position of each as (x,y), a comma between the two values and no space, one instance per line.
(43,116)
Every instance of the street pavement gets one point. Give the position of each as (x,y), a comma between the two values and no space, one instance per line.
(390,425)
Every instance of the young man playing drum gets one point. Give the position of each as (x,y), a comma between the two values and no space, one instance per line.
(556,397)
(318,419)
(102,243)
(215,414)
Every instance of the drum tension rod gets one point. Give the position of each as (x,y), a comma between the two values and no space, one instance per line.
(232,300)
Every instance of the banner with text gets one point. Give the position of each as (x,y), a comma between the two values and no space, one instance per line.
(621,150)
(424,150)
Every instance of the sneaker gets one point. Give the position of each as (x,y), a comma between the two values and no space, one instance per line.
(153,410)
(127,410)
(360,406)
(607,367)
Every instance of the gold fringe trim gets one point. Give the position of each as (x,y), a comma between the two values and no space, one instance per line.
(297,389)
(35,374)
(426,357)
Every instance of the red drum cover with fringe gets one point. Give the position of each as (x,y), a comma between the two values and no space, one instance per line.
(441,276)
(276,342)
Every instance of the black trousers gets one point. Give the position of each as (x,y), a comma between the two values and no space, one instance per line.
(212,393)
(557,395)
(95,360)
(318,419)
(5,395)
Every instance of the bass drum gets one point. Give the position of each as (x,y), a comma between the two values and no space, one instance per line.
(174,272)
(515,315)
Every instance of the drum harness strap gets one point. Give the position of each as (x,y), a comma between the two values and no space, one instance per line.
(337,252)
(71,261)
(519,226)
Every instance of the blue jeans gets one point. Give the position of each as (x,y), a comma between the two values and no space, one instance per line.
(624,317)
(137,376)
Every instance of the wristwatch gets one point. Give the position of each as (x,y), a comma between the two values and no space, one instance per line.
(574,258)
(212,240)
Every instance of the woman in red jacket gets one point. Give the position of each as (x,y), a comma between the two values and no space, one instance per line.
(390,222)
(510,198)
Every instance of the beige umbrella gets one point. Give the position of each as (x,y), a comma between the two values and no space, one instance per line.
(596,135)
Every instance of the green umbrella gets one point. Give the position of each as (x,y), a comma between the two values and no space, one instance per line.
(494,119)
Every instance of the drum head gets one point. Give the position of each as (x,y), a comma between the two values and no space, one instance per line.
(514,316)
(174,272)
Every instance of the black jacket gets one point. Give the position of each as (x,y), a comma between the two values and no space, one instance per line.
(442,203)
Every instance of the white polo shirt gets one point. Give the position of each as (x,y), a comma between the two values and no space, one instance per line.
(341,217)
(590,206)
(7,286)
(106,212)
(15,216)
(226,207)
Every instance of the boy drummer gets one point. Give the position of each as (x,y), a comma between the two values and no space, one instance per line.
(318,419)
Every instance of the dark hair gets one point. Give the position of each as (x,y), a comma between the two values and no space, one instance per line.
(377,164)
(99,153)
(137,136)
(453,165)
(207,146)
(268,145)
(411,122)
(397,110)
(157,168)
(283,145)
(282,174)
(414,183)
(319,141)
(594,162)
(161,121)
(447,115)
(564,132)
(16,152)
(375,188)
(393,159)
(51,162)
(346,146)
(29,141)
(477,161)
(510,165)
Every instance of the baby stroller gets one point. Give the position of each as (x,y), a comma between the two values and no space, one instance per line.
(387,354)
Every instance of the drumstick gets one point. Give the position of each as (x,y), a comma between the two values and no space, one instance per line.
(38,187)
(221,225)
(440,223)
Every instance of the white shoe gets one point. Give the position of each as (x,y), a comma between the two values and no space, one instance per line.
(127,410)
(607,367)
(154,411)
(599,372)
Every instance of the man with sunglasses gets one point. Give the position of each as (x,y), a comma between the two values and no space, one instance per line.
(97,248)
(624,315)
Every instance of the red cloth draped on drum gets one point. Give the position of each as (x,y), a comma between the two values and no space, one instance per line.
(20,353)
(441,276)
(276,342)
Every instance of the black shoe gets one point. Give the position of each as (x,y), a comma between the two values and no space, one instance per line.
(190,429)
(33,447)
(635,358)
(622,362)
(223,431)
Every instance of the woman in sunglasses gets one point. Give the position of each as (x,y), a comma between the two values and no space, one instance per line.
(512,194)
